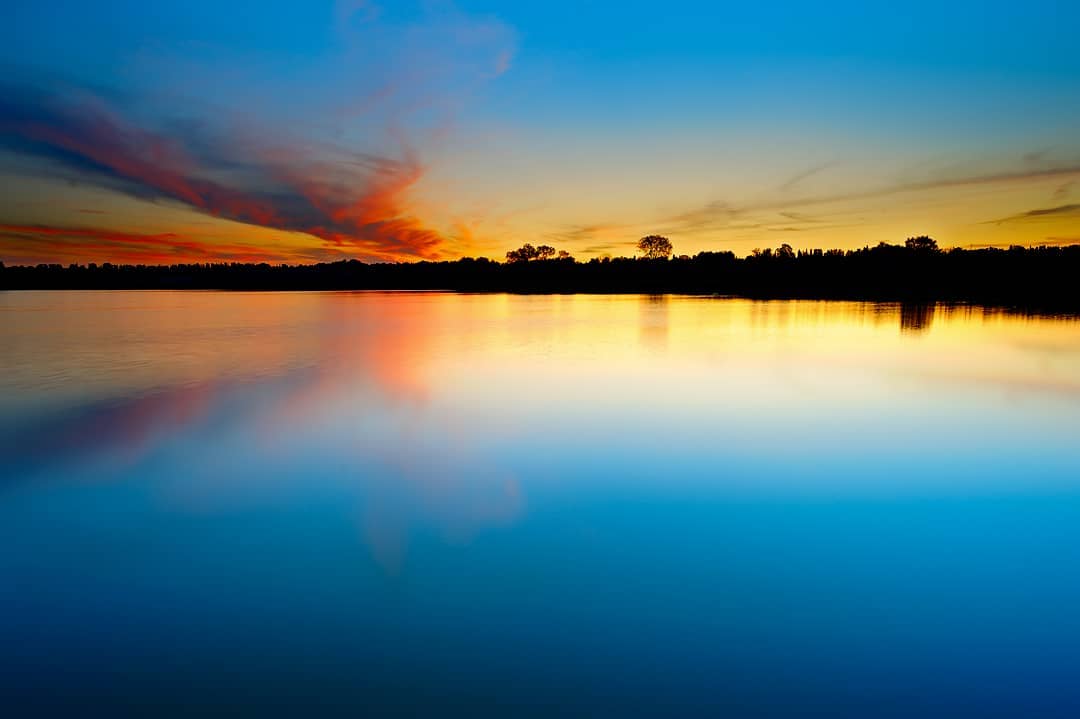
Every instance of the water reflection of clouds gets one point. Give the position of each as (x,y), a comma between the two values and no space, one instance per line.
(355,351)
(398,400)
(379,346)
(357,417)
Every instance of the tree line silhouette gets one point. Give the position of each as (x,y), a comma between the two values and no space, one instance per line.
(916,271)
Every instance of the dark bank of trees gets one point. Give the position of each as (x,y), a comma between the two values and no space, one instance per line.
(917,270)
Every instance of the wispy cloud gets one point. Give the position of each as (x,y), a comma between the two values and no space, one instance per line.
(575,234)
(723,214)
(804,175)
(604,249)
(800,218)
(352,200)
(1041,213)
(258,171)
(39,243)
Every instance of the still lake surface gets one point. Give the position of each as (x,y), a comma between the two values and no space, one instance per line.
(492,504)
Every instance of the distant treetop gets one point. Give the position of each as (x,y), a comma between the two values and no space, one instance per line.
(527,252)
(654,247)
(922,243)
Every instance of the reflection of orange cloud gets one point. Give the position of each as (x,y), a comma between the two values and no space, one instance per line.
(378,348)
(362,384)
(376,354)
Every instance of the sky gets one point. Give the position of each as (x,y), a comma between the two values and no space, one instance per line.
(313,131)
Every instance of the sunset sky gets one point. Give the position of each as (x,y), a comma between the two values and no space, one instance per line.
(133,131)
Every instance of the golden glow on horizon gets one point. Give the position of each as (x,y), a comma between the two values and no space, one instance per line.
(1023,210)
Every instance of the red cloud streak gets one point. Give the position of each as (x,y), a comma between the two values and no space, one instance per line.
(84,244)
(347,204)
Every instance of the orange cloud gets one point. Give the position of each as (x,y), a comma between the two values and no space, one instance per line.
(352,201)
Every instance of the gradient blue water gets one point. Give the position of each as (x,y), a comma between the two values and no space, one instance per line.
(493,505)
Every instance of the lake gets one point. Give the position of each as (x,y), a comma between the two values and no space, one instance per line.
(439,504)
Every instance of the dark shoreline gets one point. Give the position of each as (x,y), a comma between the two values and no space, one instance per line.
(1043,279)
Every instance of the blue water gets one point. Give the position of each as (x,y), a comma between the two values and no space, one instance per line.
(432,504)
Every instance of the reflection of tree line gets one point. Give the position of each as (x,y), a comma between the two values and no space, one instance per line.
(653,327)
(916,316)
(916,271)
(654,323)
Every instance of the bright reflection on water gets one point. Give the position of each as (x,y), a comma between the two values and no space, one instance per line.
(555,505)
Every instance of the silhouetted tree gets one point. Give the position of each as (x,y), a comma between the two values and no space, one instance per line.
(523,254)
(785,252)
(564,255)
(922,243)
(545,252)
(654,247)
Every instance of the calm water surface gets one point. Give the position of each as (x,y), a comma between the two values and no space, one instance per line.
(506,505)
